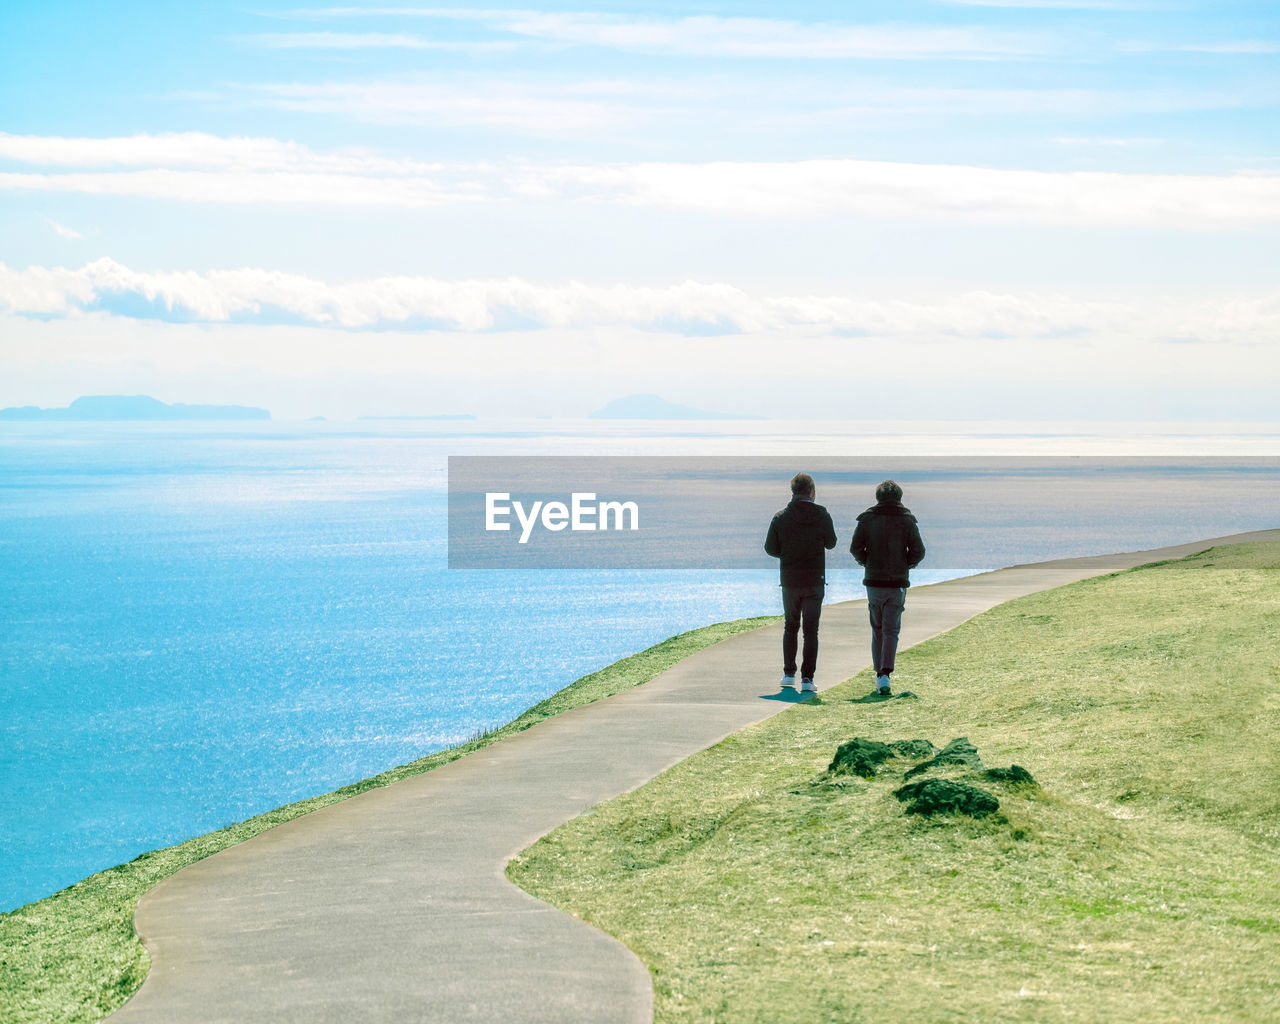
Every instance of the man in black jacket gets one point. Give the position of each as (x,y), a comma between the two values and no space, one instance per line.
(886,543)
(799,537)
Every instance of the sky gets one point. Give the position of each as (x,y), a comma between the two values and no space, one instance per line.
(921,209)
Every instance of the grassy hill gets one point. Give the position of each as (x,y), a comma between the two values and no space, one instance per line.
(1137,880)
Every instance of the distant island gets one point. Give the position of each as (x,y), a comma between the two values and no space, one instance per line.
(439,416)
(651,407)
(133,407)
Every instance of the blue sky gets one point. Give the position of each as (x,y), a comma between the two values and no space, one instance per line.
(964,209)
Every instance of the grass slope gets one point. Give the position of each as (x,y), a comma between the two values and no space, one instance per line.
(74,957)
(1140,881)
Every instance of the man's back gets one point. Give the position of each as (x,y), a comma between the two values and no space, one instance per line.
(799,537)
(886,542)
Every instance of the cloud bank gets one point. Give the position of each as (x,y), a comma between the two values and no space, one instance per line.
(194,167)
(690,308)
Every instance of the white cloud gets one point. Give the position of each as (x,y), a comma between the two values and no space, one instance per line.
(1074,103)
(540,111)
(62,231)
(1064,5)
(632,111)
(369,41)
(1230,47)
(707,36)
(206,169)
(692,307)
(1116,143)
(711,36)
(1244,46)
(825,187)
(202,168)
(45,290)
(247,187)
(198,149)
(340,41)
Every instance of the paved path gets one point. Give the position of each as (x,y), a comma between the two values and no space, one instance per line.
(392,906)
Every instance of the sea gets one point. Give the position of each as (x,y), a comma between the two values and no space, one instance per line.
(203,621)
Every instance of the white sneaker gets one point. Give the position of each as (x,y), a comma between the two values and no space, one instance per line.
(788,682)
(882,686)
(806,686)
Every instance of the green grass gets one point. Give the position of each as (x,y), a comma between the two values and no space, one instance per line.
(74,957)
(1140,881)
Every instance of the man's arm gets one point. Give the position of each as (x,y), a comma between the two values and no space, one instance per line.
(915,547)
(829,540)
(858,546)
(771,539)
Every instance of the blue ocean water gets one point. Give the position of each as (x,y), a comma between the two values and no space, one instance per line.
(202,622)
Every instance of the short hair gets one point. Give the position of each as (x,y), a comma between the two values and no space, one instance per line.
(802,483)
(889,489)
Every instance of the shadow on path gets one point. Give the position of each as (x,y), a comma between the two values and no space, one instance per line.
(790,697)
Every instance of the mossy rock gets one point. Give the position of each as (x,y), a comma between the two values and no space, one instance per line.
(941,796)
(958,752)
(913,750)
(1014,775)
(859,757)
(862,756)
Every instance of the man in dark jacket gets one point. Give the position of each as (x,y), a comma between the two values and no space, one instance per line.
(886,543)
(799,537)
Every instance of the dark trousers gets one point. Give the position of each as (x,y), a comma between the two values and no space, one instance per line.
(884,604)
(801,605)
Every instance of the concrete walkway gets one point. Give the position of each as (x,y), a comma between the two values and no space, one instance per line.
(392,906)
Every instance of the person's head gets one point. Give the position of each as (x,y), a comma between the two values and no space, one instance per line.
(802,486)
(888,491)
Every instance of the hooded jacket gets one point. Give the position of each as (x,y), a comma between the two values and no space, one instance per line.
(886,543)
(799,537)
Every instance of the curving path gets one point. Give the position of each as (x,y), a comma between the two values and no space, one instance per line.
(393,906)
